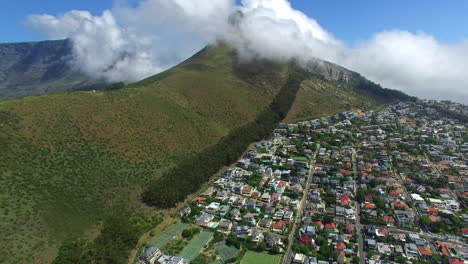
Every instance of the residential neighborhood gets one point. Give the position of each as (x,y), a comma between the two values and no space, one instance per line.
(356,187)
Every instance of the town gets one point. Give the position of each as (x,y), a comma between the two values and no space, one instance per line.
(356,187)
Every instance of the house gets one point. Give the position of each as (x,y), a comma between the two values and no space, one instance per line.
(371,244)
(200,200)
(389,220)
(242,230)
(224,226)
(165,259)
(404,217)
(349,229)
(204,220)
(234,213)
(299,258)
(150,255)
(465,232)
(213,208)
(265,224)
(278,214)
(319,224)
(276,197)
(425,252)
(411,250)
(247,191)
(223,210)
(330,227)
(256,235)
(371,230)
(266,198)
(280,226)
(340,246)
(305,240)
(455,261)
(381,232)
(288,216)
(309,231)
(273,239)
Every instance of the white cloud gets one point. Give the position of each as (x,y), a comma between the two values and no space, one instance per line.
(414,63)
(132,43)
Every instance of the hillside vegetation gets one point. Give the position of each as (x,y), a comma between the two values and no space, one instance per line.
(69,161)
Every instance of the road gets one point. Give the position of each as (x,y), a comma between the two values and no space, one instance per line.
(358,225)
(288,253)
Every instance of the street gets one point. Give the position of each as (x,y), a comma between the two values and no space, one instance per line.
(288,253)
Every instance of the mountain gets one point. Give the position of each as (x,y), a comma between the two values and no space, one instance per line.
(35,68)
(70,160)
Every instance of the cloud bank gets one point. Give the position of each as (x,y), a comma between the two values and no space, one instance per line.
(131,43)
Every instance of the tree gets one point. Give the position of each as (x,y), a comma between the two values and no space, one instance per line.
(275,250)
(187,233)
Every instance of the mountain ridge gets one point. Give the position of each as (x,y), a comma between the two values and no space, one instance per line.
(73,159)
(35,68)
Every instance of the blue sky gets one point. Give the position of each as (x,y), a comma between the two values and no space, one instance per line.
(350,21)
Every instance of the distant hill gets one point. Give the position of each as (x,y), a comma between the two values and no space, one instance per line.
(69,160)
(35,68)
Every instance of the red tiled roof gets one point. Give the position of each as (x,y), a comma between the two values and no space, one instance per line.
(319,223)
(388,219)
(396,192)
(280,224)
(425,251)
(330,226)
(282,184)
(455,261)
(400,204)
(368,197)
(383,231)
(369,206)
(200,199)
(465,230)
(340,246)
(305,240)
(433,218)
(344,197)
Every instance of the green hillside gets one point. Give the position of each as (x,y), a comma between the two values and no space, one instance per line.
(70,160)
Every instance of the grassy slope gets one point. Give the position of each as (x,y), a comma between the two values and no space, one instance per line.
(318,98)
(69,160)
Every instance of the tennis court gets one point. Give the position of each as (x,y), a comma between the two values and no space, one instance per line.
(226,252)
(195,245)
(163,237)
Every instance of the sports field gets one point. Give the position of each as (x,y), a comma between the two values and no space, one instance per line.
(226,252)
(195,245)
(252,257)
(163,237)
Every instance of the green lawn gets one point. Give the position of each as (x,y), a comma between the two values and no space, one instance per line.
(162,238)
(300,158)
(195,245)
(252,257)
